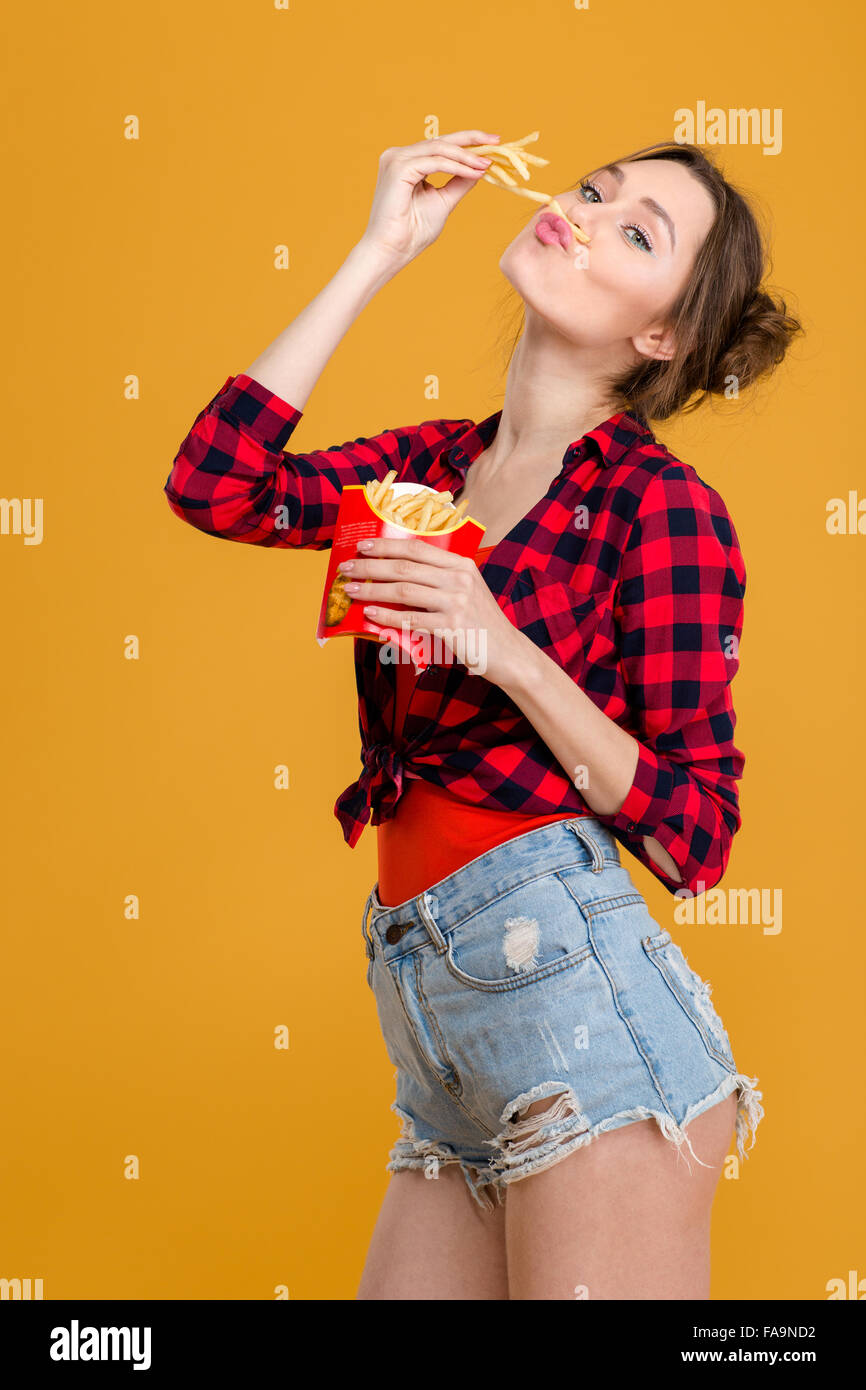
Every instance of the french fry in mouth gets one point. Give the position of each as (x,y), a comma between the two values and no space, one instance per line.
(513,155)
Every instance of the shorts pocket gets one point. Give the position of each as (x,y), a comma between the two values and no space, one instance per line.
(692,994)
(528,934)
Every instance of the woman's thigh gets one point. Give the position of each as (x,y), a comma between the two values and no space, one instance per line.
(626,1217)
(433,1241)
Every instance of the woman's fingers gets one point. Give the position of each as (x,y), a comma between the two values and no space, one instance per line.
(447,151)
(405,218)
(446,166)
(444,144)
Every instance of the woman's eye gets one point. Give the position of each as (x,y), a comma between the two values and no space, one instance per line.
(644,244)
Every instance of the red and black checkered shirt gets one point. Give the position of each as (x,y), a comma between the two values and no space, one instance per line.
(628,574)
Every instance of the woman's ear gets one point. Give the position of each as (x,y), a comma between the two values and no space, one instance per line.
(656,342)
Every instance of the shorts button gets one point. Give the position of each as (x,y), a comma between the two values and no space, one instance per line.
(395,931)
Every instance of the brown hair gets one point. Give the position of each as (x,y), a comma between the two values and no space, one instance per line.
(726,324)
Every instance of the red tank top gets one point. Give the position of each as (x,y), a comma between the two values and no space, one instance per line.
(433,833)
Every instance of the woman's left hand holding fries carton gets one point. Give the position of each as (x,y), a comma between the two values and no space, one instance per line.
(387,508)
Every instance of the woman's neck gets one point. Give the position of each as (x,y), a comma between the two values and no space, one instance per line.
(545,407)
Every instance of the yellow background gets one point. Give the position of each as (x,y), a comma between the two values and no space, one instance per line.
(155,777)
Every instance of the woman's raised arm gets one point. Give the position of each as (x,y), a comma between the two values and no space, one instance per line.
(230,477)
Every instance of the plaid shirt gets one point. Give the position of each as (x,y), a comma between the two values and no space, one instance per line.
(628,574)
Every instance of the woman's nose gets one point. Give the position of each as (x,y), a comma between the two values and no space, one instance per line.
(578,215)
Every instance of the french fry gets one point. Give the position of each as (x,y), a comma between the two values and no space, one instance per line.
(526,193)
(439,517)
(415,509)
(578,231)
(501,174)
(401,511)
(383,487)
(514,154)
(507,145)
(426,513)
(519,164)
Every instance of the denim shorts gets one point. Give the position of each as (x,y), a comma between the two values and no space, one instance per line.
(536,971)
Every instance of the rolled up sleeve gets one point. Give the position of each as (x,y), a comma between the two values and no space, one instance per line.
(233,479)
(680,612)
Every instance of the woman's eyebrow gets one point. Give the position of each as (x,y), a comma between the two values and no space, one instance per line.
(616,171)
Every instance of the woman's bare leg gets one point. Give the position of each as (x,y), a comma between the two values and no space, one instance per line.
(433,1241)
(622,1218)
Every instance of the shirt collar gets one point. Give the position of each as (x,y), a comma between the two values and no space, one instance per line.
(608,442)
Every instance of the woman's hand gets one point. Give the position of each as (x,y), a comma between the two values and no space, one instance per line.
(408,213)
(445,596)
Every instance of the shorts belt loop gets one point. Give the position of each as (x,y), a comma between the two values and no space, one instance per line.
(364,919)
(584,836)
(427,904)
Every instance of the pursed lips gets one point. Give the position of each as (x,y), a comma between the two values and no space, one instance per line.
(558,231)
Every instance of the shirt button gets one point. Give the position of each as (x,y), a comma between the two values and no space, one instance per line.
(632,826)
(395,931)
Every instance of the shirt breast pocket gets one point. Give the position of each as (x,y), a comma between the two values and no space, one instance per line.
(558,618)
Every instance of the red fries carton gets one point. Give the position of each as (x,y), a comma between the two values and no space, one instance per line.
(359,519)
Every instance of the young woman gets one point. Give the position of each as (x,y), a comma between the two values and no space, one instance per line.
(562,1075)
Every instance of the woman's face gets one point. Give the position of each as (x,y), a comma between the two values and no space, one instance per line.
(616,292)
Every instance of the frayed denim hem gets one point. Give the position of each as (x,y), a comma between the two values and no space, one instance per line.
(534,1143)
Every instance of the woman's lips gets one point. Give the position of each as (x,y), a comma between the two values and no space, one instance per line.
(553,231)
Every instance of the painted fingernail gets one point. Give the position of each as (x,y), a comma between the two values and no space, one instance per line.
(365,545)
(346,565)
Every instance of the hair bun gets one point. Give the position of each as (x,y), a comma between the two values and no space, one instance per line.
(757,343)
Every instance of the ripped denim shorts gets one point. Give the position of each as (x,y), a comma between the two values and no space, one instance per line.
(534,971)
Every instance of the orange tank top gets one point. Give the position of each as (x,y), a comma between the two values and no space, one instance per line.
(433,833)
